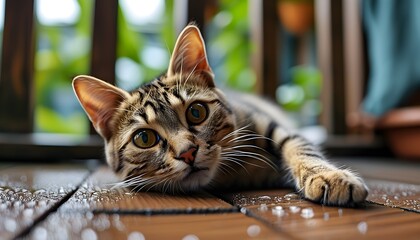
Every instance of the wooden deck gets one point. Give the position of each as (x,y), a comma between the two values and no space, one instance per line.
(77,201)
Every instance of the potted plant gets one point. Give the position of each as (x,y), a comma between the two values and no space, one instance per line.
(297,16)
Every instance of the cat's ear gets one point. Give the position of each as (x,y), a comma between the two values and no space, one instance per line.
(190,56)
(99,100)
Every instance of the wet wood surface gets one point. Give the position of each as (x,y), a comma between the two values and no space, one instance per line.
(301,219)
(180,226)
(28,193)
(100,193)
(56,201)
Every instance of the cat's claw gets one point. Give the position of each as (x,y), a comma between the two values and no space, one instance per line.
(335,187)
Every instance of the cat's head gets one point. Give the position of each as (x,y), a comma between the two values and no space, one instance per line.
(167,135)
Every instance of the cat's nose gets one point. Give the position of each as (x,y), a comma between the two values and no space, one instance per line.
(188,156)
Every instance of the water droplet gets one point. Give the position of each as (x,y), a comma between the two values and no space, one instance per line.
(243,210)
(10,225)
(101,223)
(42,203)
(89,234)
(326,216)
(294,209)
(89,215)
(278,211)
(28,212)
(3,206)
(40,191)
(117,222)
(340,212)
(253,230)
(291,196)
(61,191)
(40,233)
(263,207)
(278,208)
(136,236)
(190,237)
(307,213)
(17,204)
(362,227)
(30,204)
(264,198)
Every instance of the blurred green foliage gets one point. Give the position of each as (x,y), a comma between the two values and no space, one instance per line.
(301,96)
(63,52)
(230,46)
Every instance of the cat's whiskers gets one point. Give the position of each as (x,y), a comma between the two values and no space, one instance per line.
(252,155)
(237,161)
(127,181)
(236,131)
(245,136)
(136,183)
(222,166)
(234,152)
(236,157)
(166,185)
(249,137)
(244,146)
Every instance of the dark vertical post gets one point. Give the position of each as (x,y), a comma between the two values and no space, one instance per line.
(264,27)
(187,11)
(104,40)
(329,21)
(354,60)
(17,59)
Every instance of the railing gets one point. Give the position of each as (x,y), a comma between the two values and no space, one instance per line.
(17,140)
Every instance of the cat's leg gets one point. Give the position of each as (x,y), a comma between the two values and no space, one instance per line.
(316,178)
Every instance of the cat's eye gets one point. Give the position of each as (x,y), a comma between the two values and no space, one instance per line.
(145,138)
(196,113)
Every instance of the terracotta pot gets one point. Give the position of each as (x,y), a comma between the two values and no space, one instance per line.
(402,131)
(296,16)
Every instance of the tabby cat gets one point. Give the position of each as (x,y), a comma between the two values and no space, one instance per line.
(181,133)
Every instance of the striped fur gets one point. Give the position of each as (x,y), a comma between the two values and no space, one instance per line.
(243,141)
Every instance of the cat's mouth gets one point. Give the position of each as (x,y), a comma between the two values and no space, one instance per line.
(195,170)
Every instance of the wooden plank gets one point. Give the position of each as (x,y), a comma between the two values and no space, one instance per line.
(102,226)
(394,194)
(29,192)
(104,40)
(17,59)
(264,59)
(97,194)
(302,219)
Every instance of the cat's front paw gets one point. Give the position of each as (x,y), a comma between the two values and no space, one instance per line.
(335,187)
